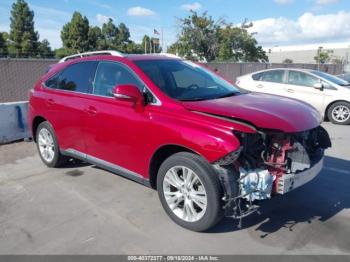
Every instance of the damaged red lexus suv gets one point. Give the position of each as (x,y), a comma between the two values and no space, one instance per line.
(174,126)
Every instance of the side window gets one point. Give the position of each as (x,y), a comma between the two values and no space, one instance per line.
(109,75)
(274,76)
(301,79)
(52,82)
(257,77)
(78,77)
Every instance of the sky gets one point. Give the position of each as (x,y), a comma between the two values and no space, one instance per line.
(276,22)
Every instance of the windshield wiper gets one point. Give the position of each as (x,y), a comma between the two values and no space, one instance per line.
(193,99)
(227,95)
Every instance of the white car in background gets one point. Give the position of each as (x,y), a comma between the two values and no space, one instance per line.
(329,94)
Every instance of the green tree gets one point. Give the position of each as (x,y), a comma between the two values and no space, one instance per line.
(110,34)
(3,45)
(323,56)
(203,38)
(62,52)
(75,34)
(23,37)
(287,61)
(133,48)
(45,50)
(338,61)
(238,45)
(198,37)
(182,49)
(96,39)
(123,35)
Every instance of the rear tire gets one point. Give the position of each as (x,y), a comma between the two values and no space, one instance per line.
(190,191)
(48,147)
(339,113)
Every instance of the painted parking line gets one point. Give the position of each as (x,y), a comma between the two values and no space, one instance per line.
(338,170)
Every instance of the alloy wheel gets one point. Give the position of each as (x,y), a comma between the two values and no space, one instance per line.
(341,113)
(46,145)
(184,193)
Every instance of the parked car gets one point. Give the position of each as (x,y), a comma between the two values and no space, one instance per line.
(329,94)
(178,128)
(345,77)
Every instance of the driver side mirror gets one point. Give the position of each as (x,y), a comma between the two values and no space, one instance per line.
(128,93)
(319,86)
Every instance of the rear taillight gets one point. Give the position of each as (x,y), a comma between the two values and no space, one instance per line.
(238,82)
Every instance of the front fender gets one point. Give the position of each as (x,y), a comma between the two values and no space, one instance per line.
(207,138)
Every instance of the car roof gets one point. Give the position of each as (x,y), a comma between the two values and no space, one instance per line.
(102,56)
(286,68)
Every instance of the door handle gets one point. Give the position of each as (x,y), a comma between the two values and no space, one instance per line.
(50,102)
(290,90)
(91,110)
(260,86)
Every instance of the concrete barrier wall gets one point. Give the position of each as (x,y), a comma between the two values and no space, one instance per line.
(13,121)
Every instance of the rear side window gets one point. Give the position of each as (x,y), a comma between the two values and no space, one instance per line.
(77,77)
(109,75)
(274,76)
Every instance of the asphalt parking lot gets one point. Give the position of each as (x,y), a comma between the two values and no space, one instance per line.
(80,209)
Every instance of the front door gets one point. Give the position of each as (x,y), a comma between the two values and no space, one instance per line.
(116,132)
(300,86)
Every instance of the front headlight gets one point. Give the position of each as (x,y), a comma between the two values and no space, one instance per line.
(229,158)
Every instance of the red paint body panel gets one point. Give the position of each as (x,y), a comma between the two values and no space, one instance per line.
(120,133)
(263,111)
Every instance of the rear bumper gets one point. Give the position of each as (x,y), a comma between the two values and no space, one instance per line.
(288,182)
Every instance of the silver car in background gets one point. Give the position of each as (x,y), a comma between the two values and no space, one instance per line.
(329,94)
(345,77)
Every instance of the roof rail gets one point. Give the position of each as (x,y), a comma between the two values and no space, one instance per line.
(85,54)
(170,55)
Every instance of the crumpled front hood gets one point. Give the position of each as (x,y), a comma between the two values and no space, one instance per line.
(262,110)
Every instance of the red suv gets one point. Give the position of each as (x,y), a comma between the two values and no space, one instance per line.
(175,126)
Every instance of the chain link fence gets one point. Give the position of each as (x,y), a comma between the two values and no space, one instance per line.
(230,71)
(18,76)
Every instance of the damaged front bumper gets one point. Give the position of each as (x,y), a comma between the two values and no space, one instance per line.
(288,182)
(269,164)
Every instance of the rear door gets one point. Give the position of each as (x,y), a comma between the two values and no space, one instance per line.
(67,96)
(300,85)
(270,82)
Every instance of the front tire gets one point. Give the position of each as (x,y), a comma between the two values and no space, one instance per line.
(48,147)
(190,191)
(339,113)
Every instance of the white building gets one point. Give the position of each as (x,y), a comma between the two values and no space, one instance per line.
(306,53)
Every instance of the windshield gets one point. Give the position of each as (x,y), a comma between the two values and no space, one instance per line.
(331,78)
(186,81)
(346,77)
